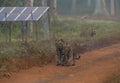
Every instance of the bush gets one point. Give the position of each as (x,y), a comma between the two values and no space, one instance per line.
(25,55)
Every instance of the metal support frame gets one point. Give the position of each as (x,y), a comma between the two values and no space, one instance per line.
(25,25)
(46,26)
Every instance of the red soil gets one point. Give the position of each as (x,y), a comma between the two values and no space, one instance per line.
(93,67)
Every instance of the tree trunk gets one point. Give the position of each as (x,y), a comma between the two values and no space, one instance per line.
(98,9)
(73,5)
(28,26)
(43,2)
(45,21)
(89,2)
(105,8)
(112,7)
(54,10)
(30,3)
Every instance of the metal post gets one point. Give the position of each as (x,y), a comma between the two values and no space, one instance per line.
(26,31)
(36,31)
(31,23)
(34,34)
(22,31)
(49,22)
(10,33)
(46,26)
(6,25)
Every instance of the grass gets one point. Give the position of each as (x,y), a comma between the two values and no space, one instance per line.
(17,55)
(73,28)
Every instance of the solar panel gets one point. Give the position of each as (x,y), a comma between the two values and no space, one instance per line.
(22,13)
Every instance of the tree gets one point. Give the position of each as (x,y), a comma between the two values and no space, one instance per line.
(73,5)
(45,21)
(98,8)
(43,2)
(54,10)
(105,8)
(27,26)
(112,7)
(89,2)
(29,3)
(101,8)
(8,3)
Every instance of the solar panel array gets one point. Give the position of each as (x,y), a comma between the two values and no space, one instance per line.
(22,13)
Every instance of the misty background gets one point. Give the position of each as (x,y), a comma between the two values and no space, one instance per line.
(73,7)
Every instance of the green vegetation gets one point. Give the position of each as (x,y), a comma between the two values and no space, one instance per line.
(19,55)
(72,28)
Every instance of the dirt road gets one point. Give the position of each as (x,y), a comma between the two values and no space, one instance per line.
(93,67)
